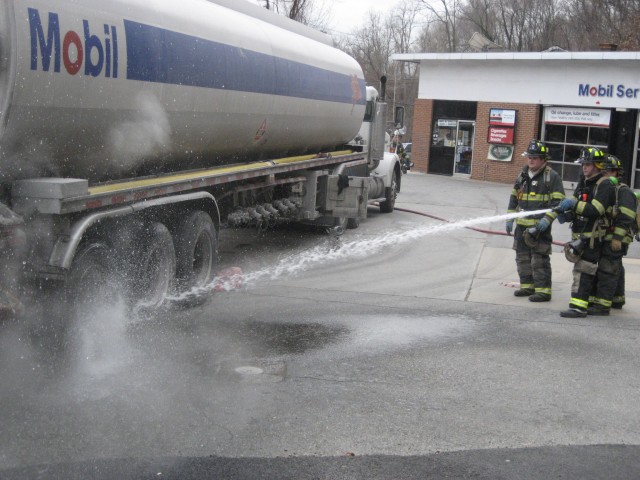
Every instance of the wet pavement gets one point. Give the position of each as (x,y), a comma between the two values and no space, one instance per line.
(385,354)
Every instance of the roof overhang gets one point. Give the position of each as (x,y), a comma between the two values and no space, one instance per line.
(594,79)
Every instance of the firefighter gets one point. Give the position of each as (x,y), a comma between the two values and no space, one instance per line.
(587,210)
(622,217)
(537,187)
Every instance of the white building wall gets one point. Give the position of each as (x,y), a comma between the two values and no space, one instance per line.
(590,79)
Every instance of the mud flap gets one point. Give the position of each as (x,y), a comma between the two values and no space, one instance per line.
(346,196)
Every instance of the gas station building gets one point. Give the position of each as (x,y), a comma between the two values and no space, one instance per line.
(476,112)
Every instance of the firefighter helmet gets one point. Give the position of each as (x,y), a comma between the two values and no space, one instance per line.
(612,163)
(537,149)
(592,155)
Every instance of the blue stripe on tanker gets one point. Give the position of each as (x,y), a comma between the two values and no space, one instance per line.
(162,56)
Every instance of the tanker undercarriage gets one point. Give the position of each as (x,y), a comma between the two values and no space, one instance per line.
(145,241)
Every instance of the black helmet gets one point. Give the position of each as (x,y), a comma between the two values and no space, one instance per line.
(612,163)
(536,149)
(592,155)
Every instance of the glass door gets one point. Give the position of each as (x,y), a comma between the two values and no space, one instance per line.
(464,146)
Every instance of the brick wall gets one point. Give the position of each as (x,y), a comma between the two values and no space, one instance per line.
(527,121)
(421,134)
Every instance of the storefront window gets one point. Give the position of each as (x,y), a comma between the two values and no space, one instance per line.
(556,133)
(572,153)
(577,135)
(566,141)
(599,136)
(444,133)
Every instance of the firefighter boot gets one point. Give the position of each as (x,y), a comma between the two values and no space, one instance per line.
(574,313)
(540,297)
(597,310)
(524,292)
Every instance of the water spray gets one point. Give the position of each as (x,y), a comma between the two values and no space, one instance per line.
(295,264)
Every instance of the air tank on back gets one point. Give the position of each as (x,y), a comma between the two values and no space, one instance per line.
(103,89)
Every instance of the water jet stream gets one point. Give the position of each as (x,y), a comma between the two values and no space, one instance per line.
(297,263)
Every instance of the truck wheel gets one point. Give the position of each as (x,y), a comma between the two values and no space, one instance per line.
(153,267)
(341,222)
(89,279)
(390,195)
(345,223)
(353,223)
(196,250)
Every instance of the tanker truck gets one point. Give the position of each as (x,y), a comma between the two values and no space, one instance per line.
(132,131)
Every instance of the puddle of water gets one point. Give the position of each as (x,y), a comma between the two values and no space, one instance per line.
(292,338)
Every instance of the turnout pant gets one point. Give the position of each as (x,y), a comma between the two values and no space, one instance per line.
(584,276)
(608,277)
(533,264)
(618,296)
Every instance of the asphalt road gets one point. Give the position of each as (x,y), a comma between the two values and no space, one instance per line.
(397,351)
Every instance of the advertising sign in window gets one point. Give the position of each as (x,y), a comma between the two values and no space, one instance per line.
(502,117)
(595,117)
(502,153)
(500,135)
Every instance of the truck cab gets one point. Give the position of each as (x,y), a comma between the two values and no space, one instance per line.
(384,165)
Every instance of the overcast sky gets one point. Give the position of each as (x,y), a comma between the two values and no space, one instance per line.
(348,15)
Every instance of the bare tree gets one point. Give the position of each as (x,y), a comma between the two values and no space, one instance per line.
(445,16)
(309,12)
(372,46)
(631,34)
(593,22)
(481,16)
(402,20)
(517,25)
(404,79)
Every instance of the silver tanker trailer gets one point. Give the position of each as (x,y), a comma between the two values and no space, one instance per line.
(131,131)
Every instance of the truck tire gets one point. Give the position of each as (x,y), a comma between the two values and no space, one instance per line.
(390,195)
(89,279)
(196,247)
(152,271)
(353,223)
(341,222)
(345,223)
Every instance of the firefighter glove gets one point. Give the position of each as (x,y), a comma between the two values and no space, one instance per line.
(567,204)
(543,224)
(509,226)
(616,245)
(531,236)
